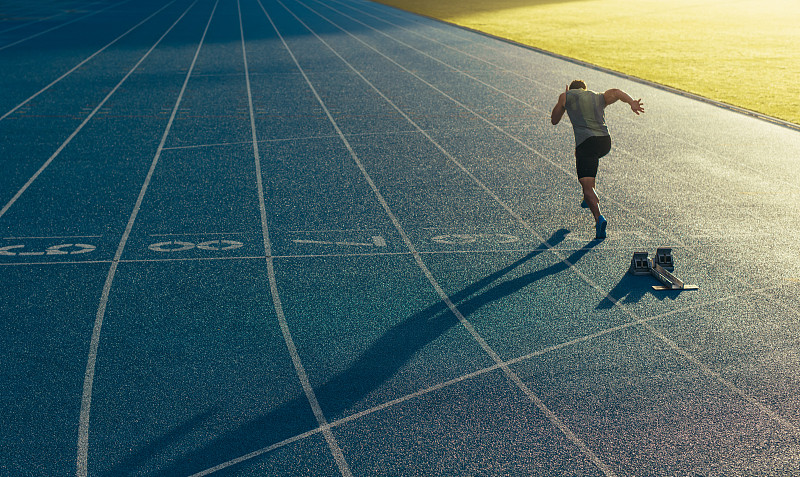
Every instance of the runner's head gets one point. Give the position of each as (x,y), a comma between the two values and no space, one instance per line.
(577,84)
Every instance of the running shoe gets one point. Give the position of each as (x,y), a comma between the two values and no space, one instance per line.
(584,204)
(601,228)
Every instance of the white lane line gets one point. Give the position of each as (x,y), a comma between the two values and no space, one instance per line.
(70,71)
(774,415)
(262,451)
(311,396)
(22,264)
(86,399)
(510,374)
(81,126)
(318,231)
(60,26)
(344,244)
(469,376)
(704,368)
(198,146)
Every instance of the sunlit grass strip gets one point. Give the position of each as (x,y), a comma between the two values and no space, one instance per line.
(745,53)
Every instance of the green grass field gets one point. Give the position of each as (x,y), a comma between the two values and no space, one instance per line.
(745,53)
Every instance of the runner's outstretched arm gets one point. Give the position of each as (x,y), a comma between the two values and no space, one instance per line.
(613,95)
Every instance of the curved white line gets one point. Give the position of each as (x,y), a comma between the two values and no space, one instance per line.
(333,445)
(88,381)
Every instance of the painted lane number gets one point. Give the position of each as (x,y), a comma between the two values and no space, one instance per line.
(179,246)
(62,249)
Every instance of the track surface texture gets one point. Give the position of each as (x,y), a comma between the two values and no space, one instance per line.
(326,237)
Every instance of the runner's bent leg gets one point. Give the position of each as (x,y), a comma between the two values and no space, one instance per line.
(589,195)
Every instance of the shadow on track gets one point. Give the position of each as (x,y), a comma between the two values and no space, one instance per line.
(631,289)
(374,367)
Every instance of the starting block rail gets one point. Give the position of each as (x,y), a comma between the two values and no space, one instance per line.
(660,267)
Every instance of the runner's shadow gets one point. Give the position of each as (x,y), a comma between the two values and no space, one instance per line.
(374,367)
(397,346)
(510,287)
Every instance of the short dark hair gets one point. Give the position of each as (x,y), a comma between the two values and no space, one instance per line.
(577,84)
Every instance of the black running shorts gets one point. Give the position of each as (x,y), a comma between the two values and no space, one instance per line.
(588,154)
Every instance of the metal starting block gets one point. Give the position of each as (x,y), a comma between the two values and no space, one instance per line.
(660,267)
(664,258)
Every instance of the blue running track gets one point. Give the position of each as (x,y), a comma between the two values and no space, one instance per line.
(326,237)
